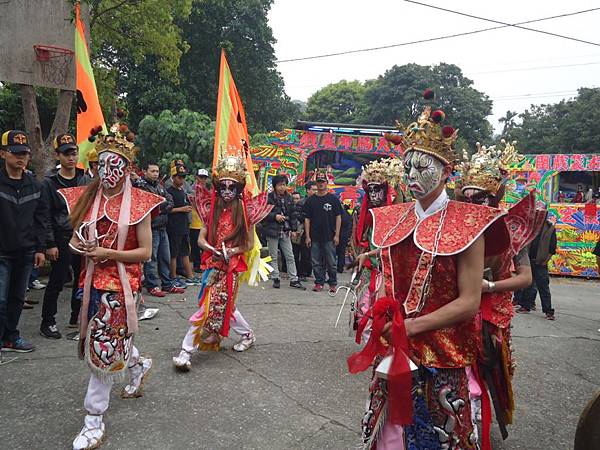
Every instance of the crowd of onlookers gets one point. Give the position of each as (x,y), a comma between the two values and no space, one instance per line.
(310,233)
(307,236)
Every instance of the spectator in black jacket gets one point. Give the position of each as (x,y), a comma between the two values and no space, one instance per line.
(541,250)
(277,226)
(23,235)
(157,271)
(60,233)
(345,233)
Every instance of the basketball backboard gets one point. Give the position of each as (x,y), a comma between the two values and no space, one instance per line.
(25,23)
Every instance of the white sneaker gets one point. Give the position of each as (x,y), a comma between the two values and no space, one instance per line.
(182,362)
(37,285)
(91,435)
(135,388)
(245,342)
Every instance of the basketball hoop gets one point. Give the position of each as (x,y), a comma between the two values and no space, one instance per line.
(55,63)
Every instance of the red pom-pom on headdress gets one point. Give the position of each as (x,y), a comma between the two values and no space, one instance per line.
(438,116)
(121,113)
(428,94)
(394,138)
(94,132)
(447,131)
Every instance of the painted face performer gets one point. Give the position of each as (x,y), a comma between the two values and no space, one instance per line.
(482,181)
(229,218)
(432,256)
(378,178)
(111,220)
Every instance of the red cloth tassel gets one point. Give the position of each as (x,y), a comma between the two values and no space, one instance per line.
(399,377)
(361,326)
(364,219)
(486,411)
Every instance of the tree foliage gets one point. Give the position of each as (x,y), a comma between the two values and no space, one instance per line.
(569,126)
(241,28)
(341,102)
(186,135)
(136,30)
(398,95)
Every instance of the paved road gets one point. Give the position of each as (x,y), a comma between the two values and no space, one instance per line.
(292,390)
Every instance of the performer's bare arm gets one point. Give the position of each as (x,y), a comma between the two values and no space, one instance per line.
(466,305)
(140,254)
(520,280)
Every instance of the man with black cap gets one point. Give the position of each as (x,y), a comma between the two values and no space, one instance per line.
(23,217)
(322,225)
(60,233)
(178,226)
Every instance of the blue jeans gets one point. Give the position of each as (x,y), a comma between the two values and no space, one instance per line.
(14,278)
(156,271)
(323,255)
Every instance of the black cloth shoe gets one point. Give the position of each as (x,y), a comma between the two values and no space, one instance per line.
(50,331)
(297,285)
(276,283)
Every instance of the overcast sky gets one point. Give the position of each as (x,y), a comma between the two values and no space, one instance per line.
(509,64)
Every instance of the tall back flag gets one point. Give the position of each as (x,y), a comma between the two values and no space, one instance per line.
(89,113)
(231,132)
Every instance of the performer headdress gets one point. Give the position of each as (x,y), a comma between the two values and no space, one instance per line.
(487,168)
(387,170)
(427,135)
(119,140)
(230,168)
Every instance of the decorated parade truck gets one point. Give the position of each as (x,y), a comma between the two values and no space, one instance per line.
(341,150)
(569,185)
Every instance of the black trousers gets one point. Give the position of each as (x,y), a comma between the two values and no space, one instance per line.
(341,251)
(541,284)
(195,252)
(303,259)
(59,275)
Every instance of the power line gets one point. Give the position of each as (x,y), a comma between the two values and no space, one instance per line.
(536,68)
(420,41)
(504,23)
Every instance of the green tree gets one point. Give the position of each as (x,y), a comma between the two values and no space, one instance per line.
(138,29)
(341,102)
(241,28)
(569,126)
(398,95)
(186,135)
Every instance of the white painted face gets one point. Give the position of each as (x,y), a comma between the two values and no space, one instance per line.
(111,169)
(424,173)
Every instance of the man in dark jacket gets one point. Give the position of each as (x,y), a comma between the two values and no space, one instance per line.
(23,217)
(541,250)
(277,226)
(60,233)
(157,271)
(345,234)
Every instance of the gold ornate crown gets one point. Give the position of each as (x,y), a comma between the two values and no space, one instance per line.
(427,135)
(120,140)
(231,168)
(387,170)
(488,166)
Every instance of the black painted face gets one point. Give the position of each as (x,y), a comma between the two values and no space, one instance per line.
(376,193)
(228,190)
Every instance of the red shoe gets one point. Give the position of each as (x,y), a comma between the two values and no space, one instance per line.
(156,292)
(522,310)
(333,288)
(317,288)
(175,290)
